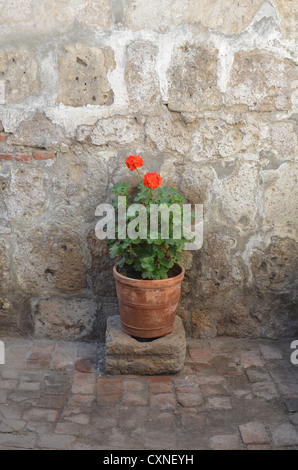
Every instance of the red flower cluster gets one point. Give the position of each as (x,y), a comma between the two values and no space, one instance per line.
(152,180)
(134,161)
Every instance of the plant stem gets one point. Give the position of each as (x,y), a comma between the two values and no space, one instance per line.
(140,176)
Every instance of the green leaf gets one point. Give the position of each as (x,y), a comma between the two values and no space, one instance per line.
(122,189)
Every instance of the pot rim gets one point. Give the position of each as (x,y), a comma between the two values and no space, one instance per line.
(149,283)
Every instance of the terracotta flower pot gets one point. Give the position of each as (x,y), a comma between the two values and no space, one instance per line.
(148,308)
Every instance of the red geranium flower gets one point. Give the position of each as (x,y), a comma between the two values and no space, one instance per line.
(134,161)
(152,180)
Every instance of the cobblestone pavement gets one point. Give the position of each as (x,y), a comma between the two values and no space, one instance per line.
(231,394)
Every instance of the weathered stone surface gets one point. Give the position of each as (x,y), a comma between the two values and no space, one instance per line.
(235,320)
(221,273)
(284,139)
(215,138)
(5,276)
(167,134)
(56,15)
(197,194)
(141,78)
(238,195)
(155,15)
(116,130)
(79,183)
(65,318)
(26,195)
(126,355)
(50,258)
(255,85)
(193,79)
(288,10)
(203,324)
(8,16)
(20,74)
(37,131)
(231,17)
(275,268)
(83,76)
(101,271)
(280,199)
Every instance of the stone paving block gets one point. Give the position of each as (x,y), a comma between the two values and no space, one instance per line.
(40,414)
(83,383)
(265,390)
(270,353)
(292,405)
(254,433)
(160,384)
(285,435)
(80,418)
(219,403)
(163,401)
(191,417)
(126,355)
(109,391)
(225,442)
(52,401)
(135,398)
(201,355)
(214,390)
(257,375)
(294,419)
(189,399)
(29,386)
(17,442)
(251,358)
(55,442)
(70,429)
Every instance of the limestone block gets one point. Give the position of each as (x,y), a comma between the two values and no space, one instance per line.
(220,274)
(236,320)
(284,139)
(68,319)
(255,84)
(5,273)
(37,131)
(275,268)
(79,183)
(230,17)
(156,15)
(238,195)
(83,76)
(15,14)
(126,355)
(168,134)
(203,323)
(280,199)
(101,272)
(118,130)
(26,194)
(51,15)
(214,138)
(193,79)
(194,192)
(48,258)
(141,76)
(288,10)
(20,74)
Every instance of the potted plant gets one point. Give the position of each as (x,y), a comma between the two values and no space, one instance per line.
(148,273)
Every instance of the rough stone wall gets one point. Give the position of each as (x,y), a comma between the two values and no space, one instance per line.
(207,92)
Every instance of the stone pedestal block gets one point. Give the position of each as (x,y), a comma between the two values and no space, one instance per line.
(126,355)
